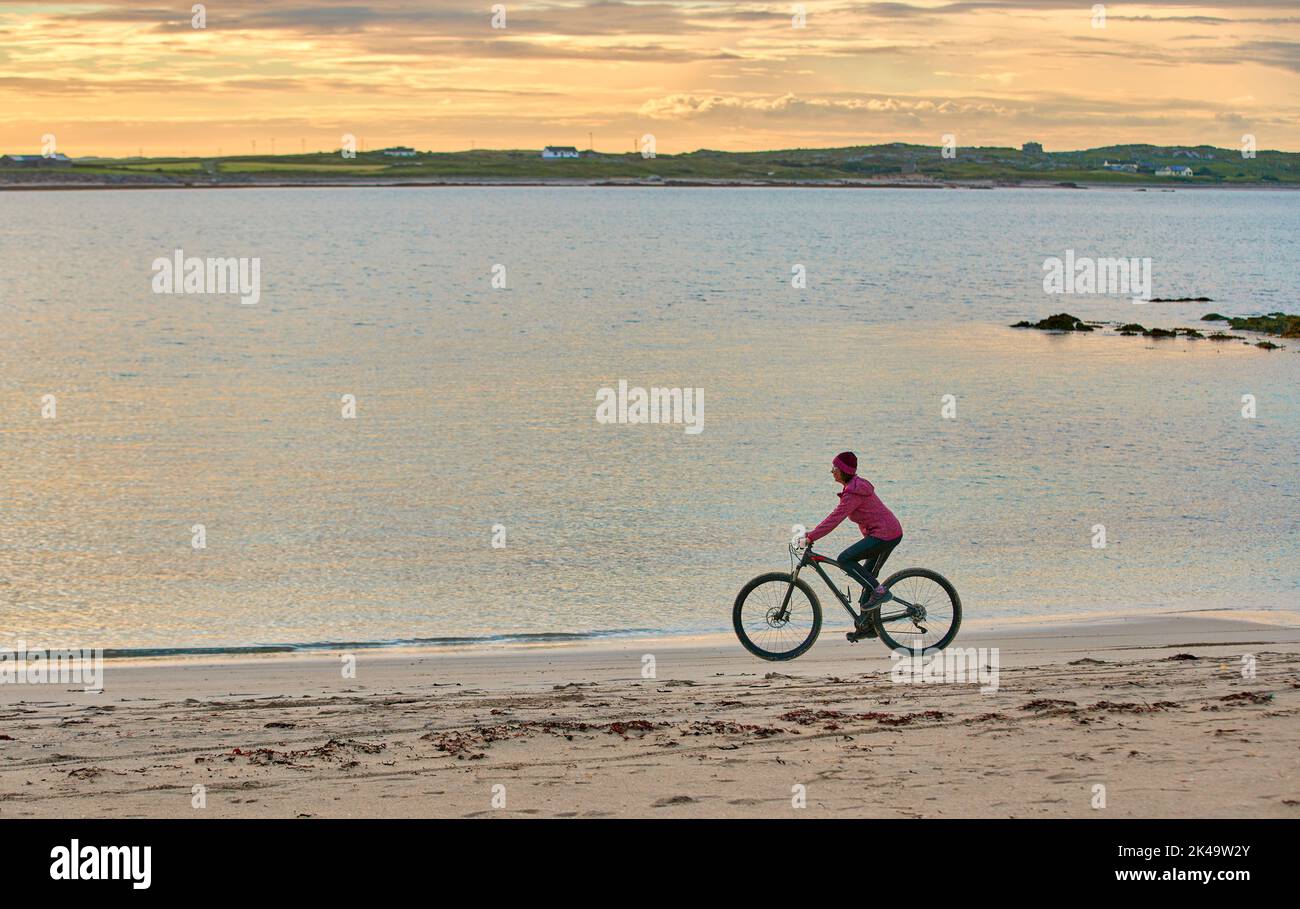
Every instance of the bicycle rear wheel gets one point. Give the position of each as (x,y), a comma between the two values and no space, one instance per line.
(764,629)
(925,614)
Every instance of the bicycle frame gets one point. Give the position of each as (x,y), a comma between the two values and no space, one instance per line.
(816,560)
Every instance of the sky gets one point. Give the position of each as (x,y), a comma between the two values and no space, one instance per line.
(123,78)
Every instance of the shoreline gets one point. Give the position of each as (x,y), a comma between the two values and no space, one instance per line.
(600,640)
(630,183)
(1157,710)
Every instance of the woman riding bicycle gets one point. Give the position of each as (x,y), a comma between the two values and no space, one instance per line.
(880,530)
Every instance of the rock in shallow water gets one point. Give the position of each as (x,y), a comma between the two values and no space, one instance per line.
(1062,321)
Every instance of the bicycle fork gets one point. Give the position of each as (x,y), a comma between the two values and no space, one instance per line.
(784,614)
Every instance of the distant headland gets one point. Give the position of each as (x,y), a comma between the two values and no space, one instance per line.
(894,164)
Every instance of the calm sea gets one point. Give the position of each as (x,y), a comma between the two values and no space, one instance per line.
(475,407)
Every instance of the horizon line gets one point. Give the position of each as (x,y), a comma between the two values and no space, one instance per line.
(591,150)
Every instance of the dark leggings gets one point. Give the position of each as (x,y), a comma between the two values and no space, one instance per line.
(872,553)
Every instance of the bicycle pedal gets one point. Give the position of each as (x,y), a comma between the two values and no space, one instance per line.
(853,636)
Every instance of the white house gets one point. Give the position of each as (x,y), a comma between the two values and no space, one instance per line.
(1123,168)
(400,151)
(559,151)
(1176,170)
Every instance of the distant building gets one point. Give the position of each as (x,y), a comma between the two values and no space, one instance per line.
(1120,167)
(559,151)
(399,151)
(1176,170)
(1032,148)
(57,159)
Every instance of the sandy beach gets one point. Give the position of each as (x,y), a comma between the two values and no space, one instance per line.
(1157,710)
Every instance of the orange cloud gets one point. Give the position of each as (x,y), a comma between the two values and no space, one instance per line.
(114,77)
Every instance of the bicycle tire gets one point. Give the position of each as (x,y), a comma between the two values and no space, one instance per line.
(892,643)
(738,610)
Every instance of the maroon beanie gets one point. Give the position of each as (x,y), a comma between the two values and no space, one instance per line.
(847,462)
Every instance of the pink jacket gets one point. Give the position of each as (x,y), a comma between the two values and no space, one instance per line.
(860,502)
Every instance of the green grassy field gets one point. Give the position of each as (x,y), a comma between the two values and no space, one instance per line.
(284,167)
(171,167)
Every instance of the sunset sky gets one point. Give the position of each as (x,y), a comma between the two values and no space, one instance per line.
(120,77)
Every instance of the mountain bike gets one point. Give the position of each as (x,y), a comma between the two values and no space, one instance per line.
(777,616)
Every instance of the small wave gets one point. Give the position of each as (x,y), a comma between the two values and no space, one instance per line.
(549,637)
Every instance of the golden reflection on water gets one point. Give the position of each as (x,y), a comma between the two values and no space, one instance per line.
(474,410)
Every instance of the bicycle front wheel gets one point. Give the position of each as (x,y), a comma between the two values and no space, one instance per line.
(766,628)
(924,615)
